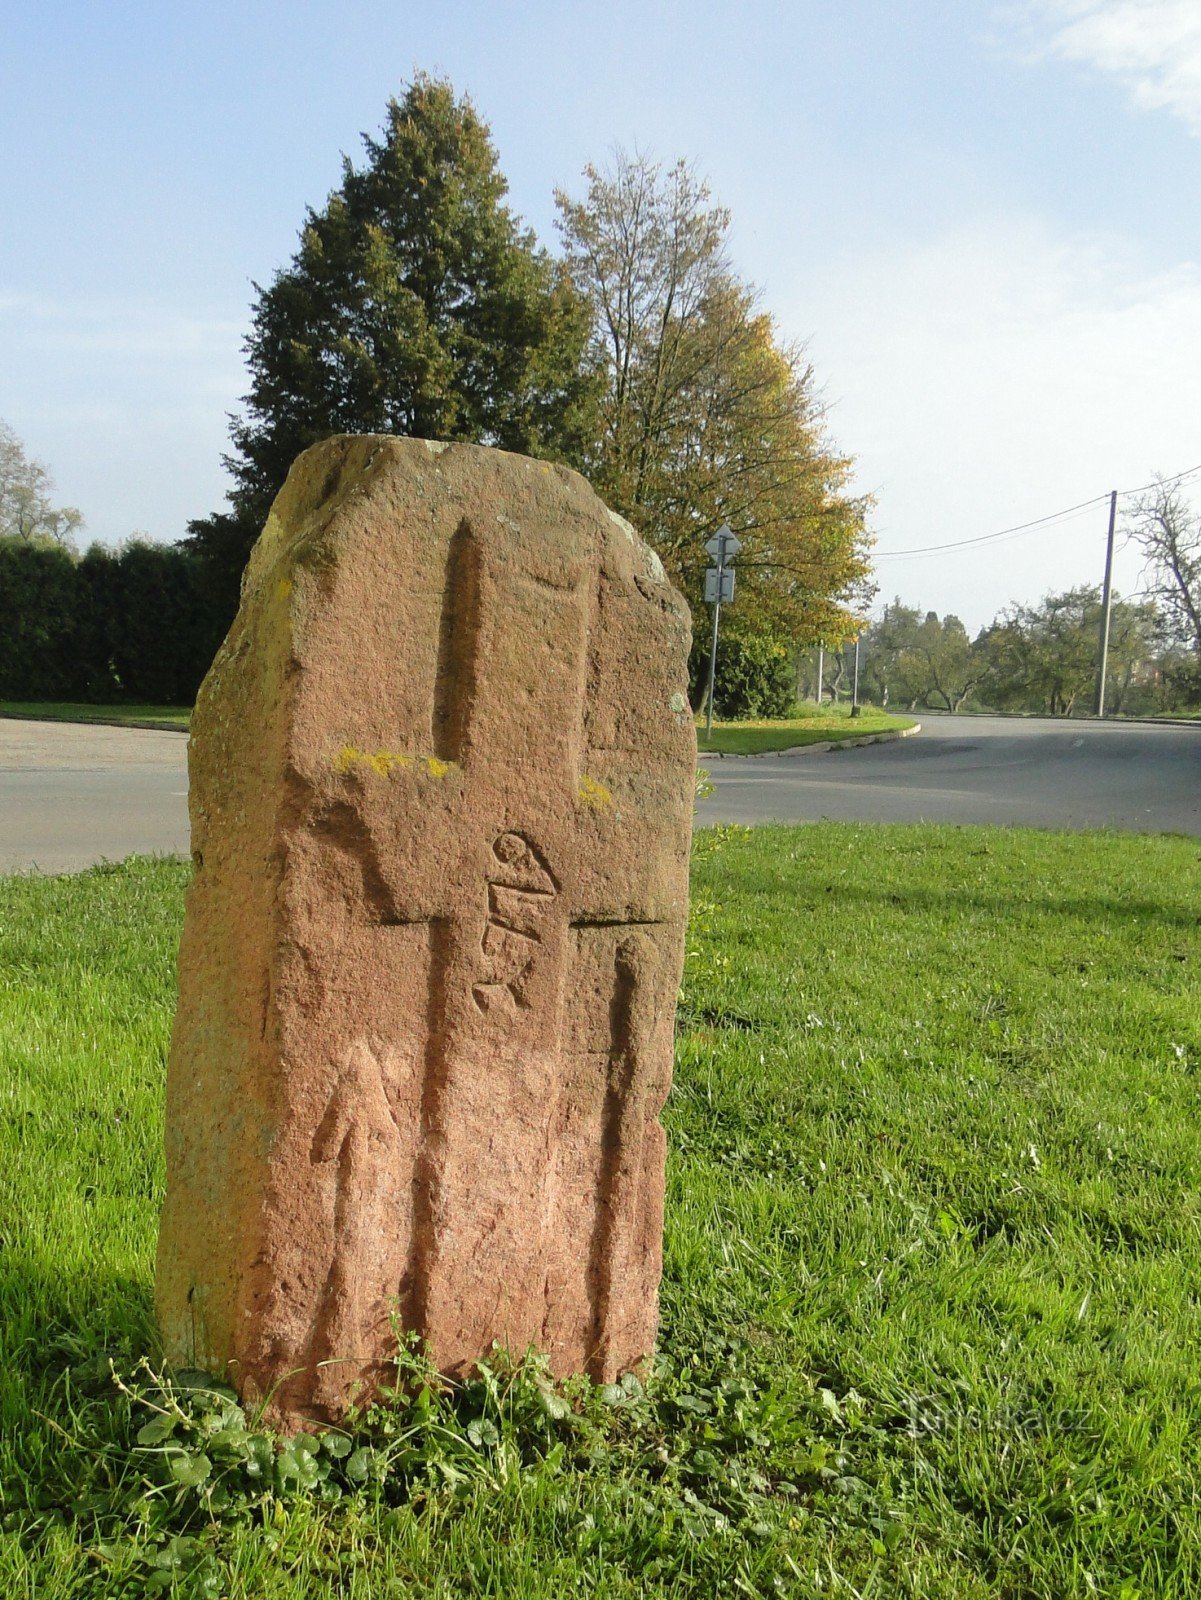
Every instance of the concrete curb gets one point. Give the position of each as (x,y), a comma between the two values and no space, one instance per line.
(93,722)
(888,737)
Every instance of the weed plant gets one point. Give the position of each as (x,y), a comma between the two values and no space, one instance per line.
(931,1310)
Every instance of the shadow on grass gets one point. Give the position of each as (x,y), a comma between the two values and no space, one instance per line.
(54,1323)
(64,1423)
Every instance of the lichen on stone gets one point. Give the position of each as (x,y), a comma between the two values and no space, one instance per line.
(387,762)
(594,795)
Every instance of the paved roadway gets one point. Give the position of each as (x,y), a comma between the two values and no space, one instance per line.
(1039,772)
(72,795)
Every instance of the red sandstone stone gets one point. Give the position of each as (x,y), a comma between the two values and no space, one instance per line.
(441,796)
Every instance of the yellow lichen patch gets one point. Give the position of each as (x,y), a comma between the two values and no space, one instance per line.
(594,795)
(387,762)
(283,588)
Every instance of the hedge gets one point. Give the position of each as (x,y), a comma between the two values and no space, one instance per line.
(140,624)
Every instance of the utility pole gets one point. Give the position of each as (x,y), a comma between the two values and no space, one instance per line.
(855,682)
(821,664)
(1106,609)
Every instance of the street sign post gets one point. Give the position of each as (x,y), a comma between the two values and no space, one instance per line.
(719,585)
(724,545)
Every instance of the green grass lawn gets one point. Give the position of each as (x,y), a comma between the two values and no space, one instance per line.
(932,1302)
(69,711)
(814,725)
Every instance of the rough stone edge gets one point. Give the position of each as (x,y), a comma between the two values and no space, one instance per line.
(821,748)
(92,722)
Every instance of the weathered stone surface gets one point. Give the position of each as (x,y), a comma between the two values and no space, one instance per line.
(441,794)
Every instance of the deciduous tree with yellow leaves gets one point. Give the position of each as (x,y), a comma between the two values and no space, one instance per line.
(705,415)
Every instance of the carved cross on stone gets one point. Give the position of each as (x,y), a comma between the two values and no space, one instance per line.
(441,791)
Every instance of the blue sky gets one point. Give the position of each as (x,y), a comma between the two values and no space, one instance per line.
(981,218)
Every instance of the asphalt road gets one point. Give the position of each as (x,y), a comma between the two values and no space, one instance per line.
(71,795)
(1037,772)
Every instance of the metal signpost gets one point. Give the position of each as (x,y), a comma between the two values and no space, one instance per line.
(719,585)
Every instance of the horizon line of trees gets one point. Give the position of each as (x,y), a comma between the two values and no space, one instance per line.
(140,622)
(135,625)
(1042,656)
(1033,658)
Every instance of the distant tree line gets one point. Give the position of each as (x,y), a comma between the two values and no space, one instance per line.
(1038,658)
(1042,658)
(139,624)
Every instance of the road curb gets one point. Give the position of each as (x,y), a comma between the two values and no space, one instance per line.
(821,748)
(93,722)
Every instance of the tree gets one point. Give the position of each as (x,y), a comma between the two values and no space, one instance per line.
(754,676)
(416,304)
(26,511)
(704,416)
(1044,657)
(1168,532)
(920,660)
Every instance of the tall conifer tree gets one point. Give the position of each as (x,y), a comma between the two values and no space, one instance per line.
(416,304)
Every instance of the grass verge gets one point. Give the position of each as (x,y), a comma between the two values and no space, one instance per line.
(814,725)
(70,711)
(930,1307)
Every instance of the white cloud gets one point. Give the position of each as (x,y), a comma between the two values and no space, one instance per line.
(1152,46)
(997,373)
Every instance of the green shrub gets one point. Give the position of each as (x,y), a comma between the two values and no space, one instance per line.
(754,676)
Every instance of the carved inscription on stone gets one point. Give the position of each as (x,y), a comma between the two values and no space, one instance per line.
(520,893)
(441,786)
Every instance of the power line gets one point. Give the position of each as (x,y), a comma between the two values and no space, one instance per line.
(1158,483)
(1038,522)
(1002,533)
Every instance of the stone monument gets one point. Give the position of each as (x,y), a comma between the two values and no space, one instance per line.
(441,796)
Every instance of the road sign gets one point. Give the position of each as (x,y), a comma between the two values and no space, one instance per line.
(724,545)
(713,592)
